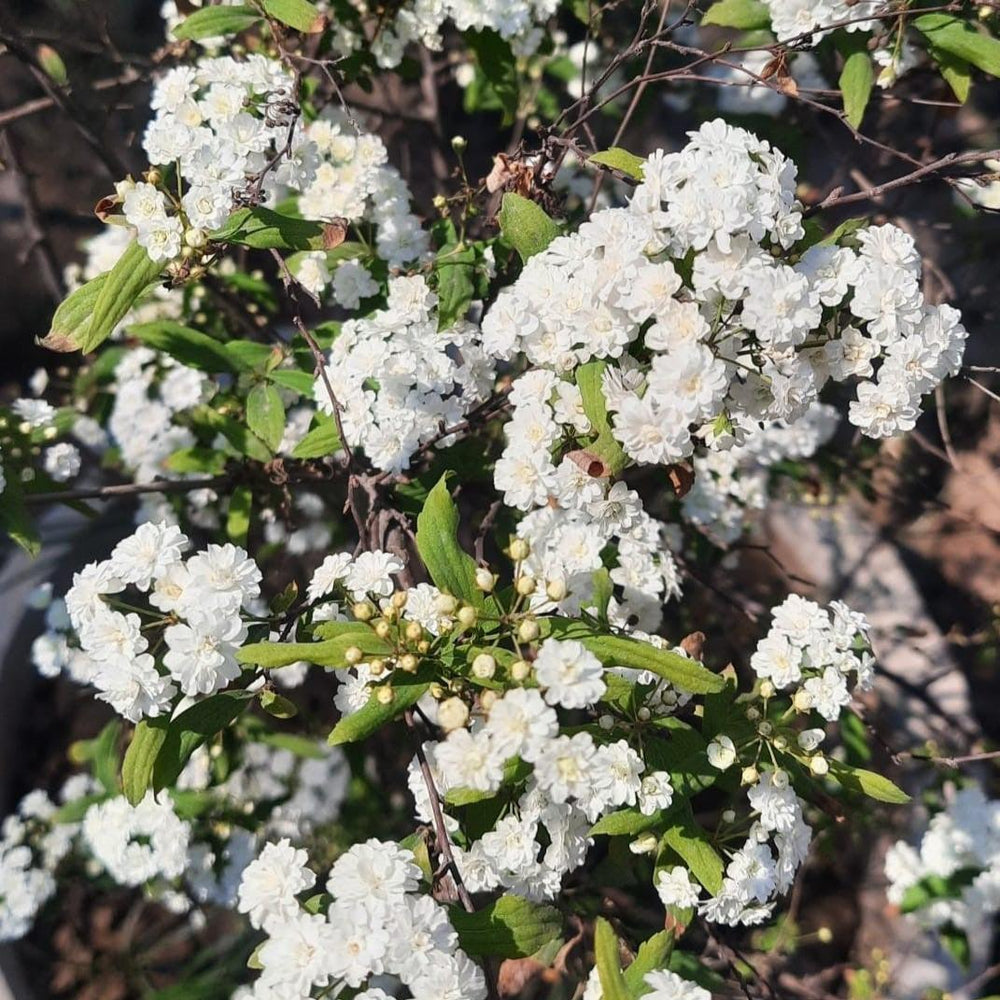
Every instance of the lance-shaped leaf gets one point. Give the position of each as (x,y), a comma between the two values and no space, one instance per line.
(407,690)
(525,226)
(686,839)
(605,446)
(190,347)
(749,15)
(510,927)
(216,22)
(264,229)
(137,768)
(856,78)
(621,160)
(328,653)
(947,33)
(451,568)
(609,966)
(875,786)
(266,415)
(654,953)
(298,14)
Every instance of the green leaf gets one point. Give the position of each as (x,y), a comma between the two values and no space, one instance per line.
(298,14)
(604,446)
(690,842)
(510,927)
(749,15)
(197,459)
(321,441)
(620,651)
(455,268)
(191,728)
(950,34)
(238,517)
(15,519)
(407,691)
(53,64)
(875,786)
(289,378)
(89,315)
(328,653)
(496,60)
(525,226)
(416,843)
(626,823)
(956,72)
(606,956)
(957,943)
(856,78)
(451,568)
(216,22)
(846,229)
(189,347)
(104,756)
(621,160)
(234,431)
(73,812)
(932,888)
(654,953)
(301,746)
(137,768)
(266,415)
(515,771)
(278,705)
(248,355)
(264,229)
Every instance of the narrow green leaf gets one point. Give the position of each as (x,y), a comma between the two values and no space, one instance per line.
(510,927)
(191,729)
(266,415)
(235,432)
(264,229)
(15,520)
(73,812)
(525,226)
(496,60)
(875,786)
(626,823)
(690,843)
(856,78)
(621,160)
(955,71)
(654,953)
(290,378)
(278,705)
(407,691)
(104,760)
(140,758)
(298,14)
(328,653)
(301,746)
(749,15)
(189,347)
(248,355)
(216,22)
(323,440)
(238,517)
(947,33)
(451,568)
(609,967)
(604,446)
(455,268)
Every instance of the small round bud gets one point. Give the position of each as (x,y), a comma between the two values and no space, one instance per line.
(459,143)
(555,590)
(606,722)
(408,663)
(452,714)
(750,776)
(414,631)
(520,670)
(765,728)
(753,714)
(390,613)
(467,616)
(519,550)
(484,666)
(487,700)
(195,238)
(445,604)
(528,630)
(525,585)
(819,765)
(644,714)
(384,695)
(436,691)
(399,599)
(382,629)
(767,689)
(423,646)
(153,176)
(440,202)
(446,626)
(824,935)
(353,655)
(376,668)
(780,743)
(485,580)
(363,611)
(50,432)
(729,816)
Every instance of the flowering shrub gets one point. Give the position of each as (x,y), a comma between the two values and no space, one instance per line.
(416,470)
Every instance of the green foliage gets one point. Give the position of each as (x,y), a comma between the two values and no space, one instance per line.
(496,62)
(686,839)
(609,968)
(749,15)
(510,927)
(238,517)
(455,268)
(857,76)
(875,786)
(264,229)
(654,953)
(525,226)
(298,14)
(266,415)
(213,22)
(620,160)
(958,38)
(140,758)
(605,445)
(321,440)
(405,691)
(189,347)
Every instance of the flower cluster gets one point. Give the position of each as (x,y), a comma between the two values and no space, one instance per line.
(197,599)
(957,860)
(398,381)
(794,18)
(378,923)
(755,332)
(815,651)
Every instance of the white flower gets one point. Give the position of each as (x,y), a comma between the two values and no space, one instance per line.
(666,985)
(570,674)
(675,887)
(371,573)
(721,753)
(270,883)
(62,461)
(374,873)
(148,553)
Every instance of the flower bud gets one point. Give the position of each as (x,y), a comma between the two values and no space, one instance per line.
(436,691)
(802,701)
(528,630)
(390,612)
(376,668)
(452,714)
(750,776)
(195,238)
(767,689)
(414,631)
(384,695)
(459,143)
(467,616)
(520,670)
(729,816)
(353,655)
(487,700)
(153,176)
(779,743)
(445,604)
(824,935)
(644,714)
(721,753)
(765,728)
(555,590)
(399,599)
(606,722)
(819,765)
(753,714)
(363,611)
(519,550)
(408,663)
(424,646)
(485,580)
(646,843)
(809,739)
(382,629)
(484,666)
(525,585)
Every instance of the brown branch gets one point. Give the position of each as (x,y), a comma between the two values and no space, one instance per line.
(128,490)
